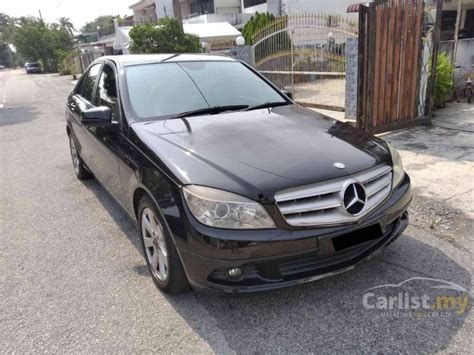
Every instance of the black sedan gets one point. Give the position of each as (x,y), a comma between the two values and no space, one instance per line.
(234,187)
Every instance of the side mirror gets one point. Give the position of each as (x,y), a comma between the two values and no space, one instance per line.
(288,93)
(96,116)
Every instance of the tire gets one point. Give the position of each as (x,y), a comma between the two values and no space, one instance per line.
(79,168)
(159,249)
(469,96)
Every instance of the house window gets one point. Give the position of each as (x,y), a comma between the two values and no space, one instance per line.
(206,6)
(448,24)
(468,29)
(250,3)
(448,20)
(194,7)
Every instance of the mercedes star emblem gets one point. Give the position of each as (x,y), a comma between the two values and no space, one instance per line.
(354,198)
(339,165)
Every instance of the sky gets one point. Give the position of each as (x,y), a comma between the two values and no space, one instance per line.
(78,11)
(82,11)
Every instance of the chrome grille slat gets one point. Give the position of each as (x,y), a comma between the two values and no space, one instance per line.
(309,191)
(372,174)
(375,186)
(320,203)
(328,201)
(379,195)
(332,217)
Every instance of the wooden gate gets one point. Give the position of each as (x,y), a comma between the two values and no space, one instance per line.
(390,63)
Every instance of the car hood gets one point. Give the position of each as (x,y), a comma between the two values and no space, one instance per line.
(257,153)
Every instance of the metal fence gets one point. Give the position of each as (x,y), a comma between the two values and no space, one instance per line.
(305,54)
(221,46)
(446,47)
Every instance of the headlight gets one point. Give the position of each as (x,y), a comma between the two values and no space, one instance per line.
(398,172)
(221,209)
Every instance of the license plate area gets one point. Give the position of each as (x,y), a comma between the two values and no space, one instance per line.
(357,237)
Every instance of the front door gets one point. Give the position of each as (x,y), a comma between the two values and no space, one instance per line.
(79,101)
(107,138)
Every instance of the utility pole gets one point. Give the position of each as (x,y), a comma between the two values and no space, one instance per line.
(456,32)
(434,60)
(177,12)
(40,16)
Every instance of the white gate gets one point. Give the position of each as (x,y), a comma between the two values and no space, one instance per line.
(305,54)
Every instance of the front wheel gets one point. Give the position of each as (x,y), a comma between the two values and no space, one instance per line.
(81,172)
(160,252)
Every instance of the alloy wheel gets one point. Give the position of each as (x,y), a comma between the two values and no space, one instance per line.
(74,155)
(155,244)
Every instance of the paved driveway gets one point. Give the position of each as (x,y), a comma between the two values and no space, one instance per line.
(72,277)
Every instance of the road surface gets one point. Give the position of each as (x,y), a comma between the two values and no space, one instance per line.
(72,277)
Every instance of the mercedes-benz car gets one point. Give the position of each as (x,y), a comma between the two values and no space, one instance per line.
(233,186)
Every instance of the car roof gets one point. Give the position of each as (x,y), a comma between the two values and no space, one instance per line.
(134,59)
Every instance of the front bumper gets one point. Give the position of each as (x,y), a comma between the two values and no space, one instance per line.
(287,258)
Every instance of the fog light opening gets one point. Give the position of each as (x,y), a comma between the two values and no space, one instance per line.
(234,274)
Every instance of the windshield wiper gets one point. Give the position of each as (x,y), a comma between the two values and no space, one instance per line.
(214,110)
(268,105)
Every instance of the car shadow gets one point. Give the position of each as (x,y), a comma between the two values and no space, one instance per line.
(16,115)
(328,315)
(450,144)
(324,316)
(118,214)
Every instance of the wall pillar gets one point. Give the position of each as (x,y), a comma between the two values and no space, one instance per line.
(243,53)
(352,51)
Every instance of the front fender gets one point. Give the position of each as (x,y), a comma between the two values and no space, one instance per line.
(140,176)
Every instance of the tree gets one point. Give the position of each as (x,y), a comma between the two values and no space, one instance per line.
(101,21)
(255,24)
(67,25)
(38,41)
(6,57)
(6,27)
(443,80)
(166,37)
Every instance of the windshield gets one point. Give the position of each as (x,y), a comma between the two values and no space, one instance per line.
(32,65)
(165,89)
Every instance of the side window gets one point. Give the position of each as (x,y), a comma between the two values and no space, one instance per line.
(87,85)
(107,90)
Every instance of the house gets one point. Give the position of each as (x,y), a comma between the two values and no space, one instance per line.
(281,7)
(144,11)
(206,11)
(192,11)
(198,7)
(454,11)
(212,32)
(457,31)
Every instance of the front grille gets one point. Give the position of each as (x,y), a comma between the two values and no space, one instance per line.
(321,203)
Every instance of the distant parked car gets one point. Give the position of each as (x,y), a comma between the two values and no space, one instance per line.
(2,67)
(32,67)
